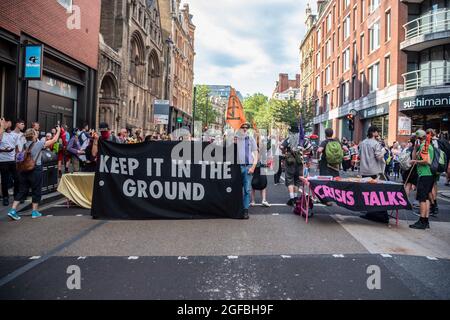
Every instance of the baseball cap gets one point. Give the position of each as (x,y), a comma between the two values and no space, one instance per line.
(103,126)
(421,134)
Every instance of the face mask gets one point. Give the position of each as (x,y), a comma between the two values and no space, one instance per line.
(105,135)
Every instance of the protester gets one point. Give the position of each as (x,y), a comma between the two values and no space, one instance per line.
(396,150)
(32,179)
(8,146)
(408,171)
(247,153)
(434,210)
(105,134)
(293,152)
(347,160)
(331,155)
(259,181)
(123,135)
(372,164)
(423,155)
(74,149)
(278,160)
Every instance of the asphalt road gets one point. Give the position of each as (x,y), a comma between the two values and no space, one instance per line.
(274,255)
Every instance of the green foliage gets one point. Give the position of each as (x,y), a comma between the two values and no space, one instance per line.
(204,110)
(288,112)
(254,105)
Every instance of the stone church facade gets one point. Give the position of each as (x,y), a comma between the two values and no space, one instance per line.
(131,64)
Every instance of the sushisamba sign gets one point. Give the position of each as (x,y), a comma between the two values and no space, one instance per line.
(425,102)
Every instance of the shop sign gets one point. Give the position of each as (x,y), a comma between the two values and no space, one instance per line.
(376,111)
(33,62)
(161,112)
(404,126)
(425,102)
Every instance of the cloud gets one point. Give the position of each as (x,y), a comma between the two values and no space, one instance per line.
(247,43)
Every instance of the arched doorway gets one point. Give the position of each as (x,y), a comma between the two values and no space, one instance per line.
(109,102)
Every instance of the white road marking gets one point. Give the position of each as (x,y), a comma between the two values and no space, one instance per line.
(133,258)
(384,255)
(81,258)
(182,258)
(275,214)
(286,257)
(35,257)
(233,257)
(432,258)
(49,216)
(338,256)
(79,215)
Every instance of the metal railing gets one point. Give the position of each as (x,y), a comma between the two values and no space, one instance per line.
(427,77)
(435,21)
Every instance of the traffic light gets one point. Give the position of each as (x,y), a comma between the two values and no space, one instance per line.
(351,122)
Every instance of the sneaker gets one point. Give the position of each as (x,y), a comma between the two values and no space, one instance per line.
(246,217)
(434,211)
(419,225)
(266,204)
(36,214)
(13,215)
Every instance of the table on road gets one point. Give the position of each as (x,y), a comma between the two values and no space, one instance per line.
(78,188)
(355,196)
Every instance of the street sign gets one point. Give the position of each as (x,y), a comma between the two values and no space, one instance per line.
(161,112)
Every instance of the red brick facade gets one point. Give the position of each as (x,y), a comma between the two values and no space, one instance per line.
(284,83)
(46,20)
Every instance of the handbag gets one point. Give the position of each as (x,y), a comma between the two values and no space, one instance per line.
(259,182)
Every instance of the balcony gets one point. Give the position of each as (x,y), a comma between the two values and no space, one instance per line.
(429,30)
(428,78)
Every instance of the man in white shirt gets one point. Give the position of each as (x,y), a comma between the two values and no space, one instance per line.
(8,147)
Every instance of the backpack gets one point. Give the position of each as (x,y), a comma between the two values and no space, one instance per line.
(25,161)
(439,163)
(405,160)
(259,181)
(334,153)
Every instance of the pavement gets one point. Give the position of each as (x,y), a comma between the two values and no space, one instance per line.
(274,255)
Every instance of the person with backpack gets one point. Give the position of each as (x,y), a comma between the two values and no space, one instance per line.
(293,153)
(331,155)
(423,156)
(29,165)
(372,165)
(438,167)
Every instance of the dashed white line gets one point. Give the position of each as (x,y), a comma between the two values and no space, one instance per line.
(338,256)
(35,257)
(182,258)
(286,257)
(81,258)
(384,255)
(133,258)
(79,215)
(233,257)
(49,216)
(432,258)
(275,214)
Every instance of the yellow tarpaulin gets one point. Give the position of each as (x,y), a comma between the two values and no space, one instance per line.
(78,188)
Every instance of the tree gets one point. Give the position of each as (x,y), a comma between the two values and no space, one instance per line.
(253,105)
(204,110)
(288,112)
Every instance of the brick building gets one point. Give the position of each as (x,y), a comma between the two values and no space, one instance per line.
(179,29)
(307,48)
(131,64)
(284,83)
(65,91)
(385,61)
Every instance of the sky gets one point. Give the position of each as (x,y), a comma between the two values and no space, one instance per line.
(247,43)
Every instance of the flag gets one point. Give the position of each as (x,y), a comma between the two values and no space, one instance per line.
(235,111)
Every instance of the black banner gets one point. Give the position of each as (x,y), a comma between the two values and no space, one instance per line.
(367,197)
(167,180)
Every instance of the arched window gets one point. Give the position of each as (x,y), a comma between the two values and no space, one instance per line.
(136,58)
(153,73)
